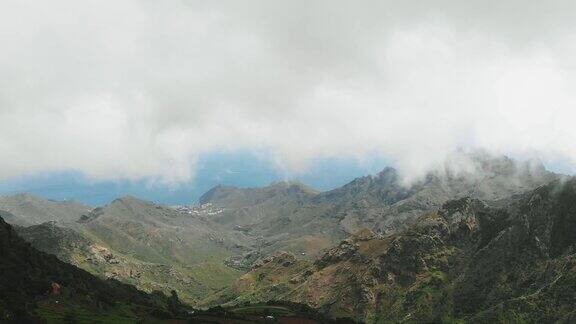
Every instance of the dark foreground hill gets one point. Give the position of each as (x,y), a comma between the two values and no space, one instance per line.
(513,261)
(35,286)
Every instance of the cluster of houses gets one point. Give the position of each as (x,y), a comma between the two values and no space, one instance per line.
(207,209)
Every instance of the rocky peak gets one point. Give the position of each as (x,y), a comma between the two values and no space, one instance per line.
(216,193)
(130,203)
(233,197)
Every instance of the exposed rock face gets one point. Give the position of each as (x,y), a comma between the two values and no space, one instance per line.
(469,261)
(529,260)
(383,204)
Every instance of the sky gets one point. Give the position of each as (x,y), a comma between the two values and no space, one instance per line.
(163,98)
(241,169)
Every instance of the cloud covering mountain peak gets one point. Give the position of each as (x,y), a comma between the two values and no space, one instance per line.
(140,89)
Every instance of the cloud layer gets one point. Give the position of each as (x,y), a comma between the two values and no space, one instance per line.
(139,89)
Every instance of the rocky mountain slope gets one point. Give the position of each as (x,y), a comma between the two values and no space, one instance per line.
(280,216)
(511,261)
(291,217)
(150,246)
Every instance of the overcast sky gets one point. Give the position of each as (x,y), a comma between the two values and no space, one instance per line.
(141,89)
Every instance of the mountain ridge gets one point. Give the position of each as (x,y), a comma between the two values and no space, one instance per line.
(33,210)
(204,249)
(468,261)
(305,224)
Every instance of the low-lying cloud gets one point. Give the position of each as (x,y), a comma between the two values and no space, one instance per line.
(139,89)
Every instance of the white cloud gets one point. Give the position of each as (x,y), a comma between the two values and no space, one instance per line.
(133,89)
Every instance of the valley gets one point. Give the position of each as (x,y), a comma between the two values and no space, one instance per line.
(373,250)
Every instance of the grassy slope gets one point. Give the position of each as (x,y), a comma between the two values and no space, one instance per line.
(194,273)
(149,246)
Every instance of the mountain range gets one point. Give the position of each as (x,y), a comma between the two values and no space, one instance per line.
(508,262)
(491,242)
